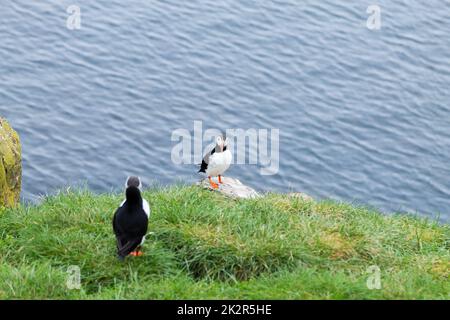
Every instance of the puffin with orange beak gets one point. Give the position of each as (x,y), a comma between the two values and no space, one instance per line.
(217,161)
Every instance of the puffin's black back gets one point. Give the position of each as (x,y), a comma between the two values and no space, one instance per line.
(130,223)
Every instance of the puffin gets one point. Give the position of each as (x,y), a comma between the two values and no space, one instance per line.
(217,161)
(130,221)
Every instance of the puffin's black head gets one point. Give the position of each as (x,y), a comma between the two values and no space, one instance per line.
(133,190)
(134,181)
(221,143)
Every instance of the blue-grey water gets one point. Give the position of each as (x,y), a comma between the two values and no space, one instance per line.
(364,115)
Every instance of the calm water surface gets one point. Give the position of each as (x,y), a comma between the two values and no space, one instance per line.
(364,115)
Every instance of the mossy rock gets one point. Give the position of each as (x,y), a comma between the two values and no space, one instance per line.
(10,165)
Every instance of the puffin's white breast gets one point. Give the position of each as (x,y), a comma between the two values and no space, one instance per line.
(146,207)
(219,163)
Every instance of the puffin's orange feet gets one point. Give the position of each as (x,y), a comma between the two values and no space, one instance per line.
(213,184)
(220,179)
(136,254)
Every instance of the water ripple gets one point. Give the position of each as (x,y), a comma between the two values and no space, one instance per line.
(363,115)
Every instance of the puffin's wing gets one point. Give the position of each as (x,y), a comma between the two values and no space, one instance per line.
(114,223)
(117,230)
(130,240)
(205,160)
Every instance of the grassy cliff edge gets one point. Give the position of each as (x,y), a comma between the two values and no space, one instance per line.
(204,245)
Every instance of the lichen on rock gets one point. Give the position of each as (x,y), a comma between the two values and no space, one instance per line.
(10,165)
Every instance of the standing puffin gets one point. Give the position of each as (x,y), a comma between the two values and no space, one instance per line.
(217,161)
(130,220)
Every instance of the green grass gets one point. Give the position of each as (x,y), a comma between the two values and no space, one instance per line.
(206,246)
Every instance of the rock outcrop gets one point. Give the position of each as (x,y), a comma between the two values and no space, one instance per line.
(10,165)
(232,188)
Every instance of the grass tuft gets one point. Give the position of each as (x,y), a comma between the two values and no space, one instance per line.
(204,245)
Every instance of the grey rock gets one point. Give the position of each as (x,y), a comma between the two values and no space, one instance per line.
(231,187)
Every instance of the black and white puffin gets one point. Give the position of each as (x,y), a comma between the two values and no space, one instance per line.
(217,161)
(130,220)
